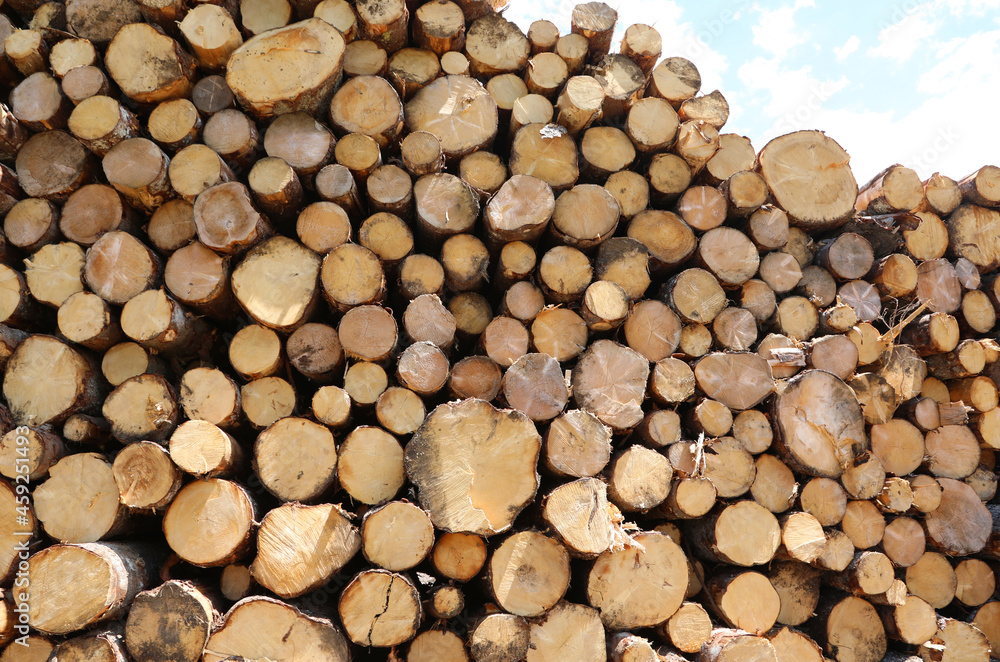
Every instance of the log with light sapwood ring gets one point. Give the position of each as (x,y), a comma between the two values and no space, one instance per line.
(528,573)
(638,479)
(370,106)
(625,262)
(257,627)
(445,602)
(77,510)
(226,220)
(46,381)
(380,608)
(745,192)
(711,108)
(465,260)
(893,190)
(475,377)
(810,178)
(695,295)
(579,104)
(139,170)
(580,516)
(200,278)
(426,319)
(564,274)
(383,528)
(745,600)
(486,438)
(149,66)
(89,213)
(440,27)
(423,368)
(196,168)
(210,522)
(143,407)
(604,150)
(157,322)
(204,450)
(543,35)
(107,577)
(314,350)
(672,381)
(459,556)
(744,534)
(534,384)
(421,153)
(495,45)
(445,206)
(616,579)
(86,319)
(101,122)
(84,82)
(234,137)
(652,125)
(447,104)
(119,267)
(146,476)
(738,380)
(520,210)
(278,260)
(212,35)
(163,13)
(689,498)
(352,276)
(129,359)
(726,645)
(559,167)
(300,547)
(577,444)
(688,628)
(27,51)
(852,624)
(697,142)
(368,333)
(584,216)
(959,525)
(615,400)
(300,473)
(729,255)
(970,238)
(819,425)
(52,275)
(289,69)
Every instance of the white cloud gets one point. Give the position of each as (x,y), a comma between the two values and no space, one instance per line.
(968,7)
(901,40)
(849,47)
(794,95)
(776,31)
(964,64)
(933,136)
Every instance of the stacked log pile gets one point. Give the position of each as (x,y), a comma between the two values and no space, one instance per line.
(384,330)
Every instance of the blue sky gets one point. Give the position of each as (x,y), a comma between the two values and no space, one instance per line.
(915,82)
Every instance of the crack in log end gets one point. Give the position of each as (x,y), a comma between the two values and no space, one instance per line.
(385,608)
